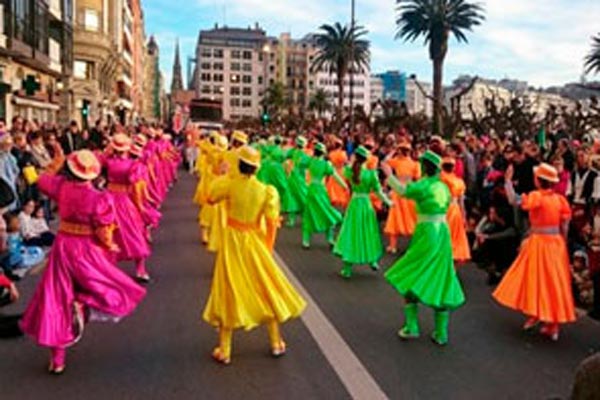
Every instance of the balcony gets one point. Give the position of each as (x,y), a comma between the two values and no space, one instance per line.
(55,52)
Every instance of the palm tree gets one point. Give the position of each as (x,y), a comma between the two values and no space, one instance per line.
(335,53)
(275,99)
(319,102)
(592,60)
(436,20)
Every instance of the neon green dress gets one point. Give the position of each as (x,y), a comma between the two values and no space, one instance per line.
(295,197)
(319,215)
(359,240)
(426,271)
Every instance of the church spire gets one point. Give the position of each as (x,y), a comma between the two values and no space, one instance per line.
(177,83)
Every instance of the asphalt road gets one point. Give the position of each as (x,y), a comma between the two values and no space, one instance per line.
(163,350)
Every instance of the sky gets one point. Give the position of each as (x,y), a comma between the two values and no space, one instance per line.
(541,41)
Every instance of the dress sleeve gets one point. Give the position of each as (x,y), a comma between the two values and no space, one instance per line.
(329,170)
(416,171)
(272,205)
(565,209)
(219,190)
(136,174)
(50,185)
(531,201)
(104,214)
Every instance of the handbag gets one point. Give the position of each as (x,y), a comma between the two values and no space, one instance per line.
(30,174)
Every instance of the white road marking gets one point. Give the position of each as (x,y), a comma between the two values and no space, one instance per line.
(356,378)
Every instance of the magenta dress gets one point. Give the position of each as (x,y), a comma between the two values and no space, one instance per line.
(130,235)
(150,215)
(154,149)
(79,267)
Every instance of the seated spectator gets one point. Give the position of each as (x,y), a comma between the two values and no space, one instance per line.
(20,258)
(34,228)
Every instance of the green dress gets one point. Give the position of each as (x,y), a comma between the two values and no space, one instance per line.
(319,215)
(359,240)
(426,271)
(295,196)
(271,171)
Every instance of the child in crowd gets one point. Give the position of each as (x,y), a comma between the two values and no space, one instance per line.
(34,228)
(20,258)
(583,289)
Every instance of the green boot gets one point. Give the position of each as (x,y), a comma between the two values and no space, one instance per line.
(291,220)
(346,271)
(410,330)
(305,240)
(440,335)
(330,236)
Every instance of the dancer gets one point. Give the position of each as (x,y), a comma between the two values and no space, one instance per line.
(338,157)
(297,187)
(80,280)
(457,216)
(539,282)
(141,195)
(272,171)
(425,274)
(319,214)
(373,164)
(248,288)
(123,177)
(403,214)
(359,240)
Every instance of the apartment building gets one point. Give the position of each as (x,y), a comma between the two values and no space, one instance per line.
(35,57)
(152,83)
(417,100)
(235,66)
(361,88)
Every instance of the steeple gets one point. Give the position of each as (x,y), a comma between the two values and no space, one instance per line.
(177,83)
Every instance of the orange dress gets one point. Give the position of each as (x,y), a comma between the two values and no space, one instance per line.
(539,281)
(372,164)
(338,195)
(456,222)
(402,218)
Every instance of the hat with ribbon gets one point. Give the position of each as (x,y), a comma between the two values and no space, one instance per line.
(84,164)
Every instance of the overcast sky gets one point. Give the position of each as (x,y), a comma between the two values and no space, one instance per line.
(541,41)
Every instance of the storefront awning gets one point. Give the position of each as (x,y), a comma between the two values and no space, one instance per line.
(35,103)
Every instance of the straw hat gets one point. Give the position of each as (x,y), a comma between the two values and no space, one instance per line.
(321,147)
(140,140)
(121,142)
(362,151)
(84,164)
(221,142)
(301,141)
(404,145)
(249,155)
(546,172)
(136,150)
(239,136)
(167,136)
(432,158)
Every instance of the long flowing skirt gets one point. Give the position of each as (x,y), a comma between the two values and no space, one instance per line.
(217,226)
(402,217)
(339,195)
(319,215)
(130,234)
(295,196)
(359,240)
(78,270)
(426,271)
(272,173)
(460,242)
(539,281)
(248,287)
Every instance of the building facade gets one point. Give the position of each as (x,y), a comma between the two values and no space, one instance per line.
(35,55)
(361,88)
(152,83)
(234,66)
(394,85)
(417,100)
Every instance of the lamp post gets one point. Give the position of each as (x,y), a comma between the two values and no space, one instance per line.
(352,24)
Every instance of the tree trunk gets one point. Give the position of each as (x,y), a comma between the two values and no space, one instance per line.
(340,97)
(438,95)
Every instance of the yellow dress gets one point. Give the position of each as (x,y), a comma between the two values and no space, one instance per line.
(219,221)
(214,158)
(205,148)
(248,288)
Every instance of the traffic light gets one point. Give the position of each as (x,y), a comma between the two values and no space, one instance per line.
(85,113)
(266,118)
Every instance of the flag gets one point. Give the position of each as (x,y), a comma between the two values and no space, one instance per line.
(541,137)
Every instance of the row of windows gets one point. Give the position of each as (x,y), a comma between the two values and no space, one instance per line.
(246,67)
(327,82)
(234,90)
(207,52)
(237,102)
(233,78)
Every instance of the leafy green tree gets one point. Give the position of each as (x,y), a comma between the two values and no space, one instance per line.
(592,60)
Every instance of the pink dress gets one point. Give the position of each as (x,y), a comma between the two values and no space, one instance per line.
(130,234)
(154,149)
(79,267)
(150,215)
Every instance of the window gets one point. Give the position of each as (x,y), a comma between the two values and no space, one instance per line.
(247,67)
(247,55)
(218,77)
(234,78)
(206,52)
(205,89)
(236,54)
(235,66)
(247,79)
(83,69)
(217,89)
(91,20)
(205,66)
(247,91)
(205,77)
(234,91)
(218,66)
(260,80)
(234,102)
(272,69)
(246,103)
(218,53)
